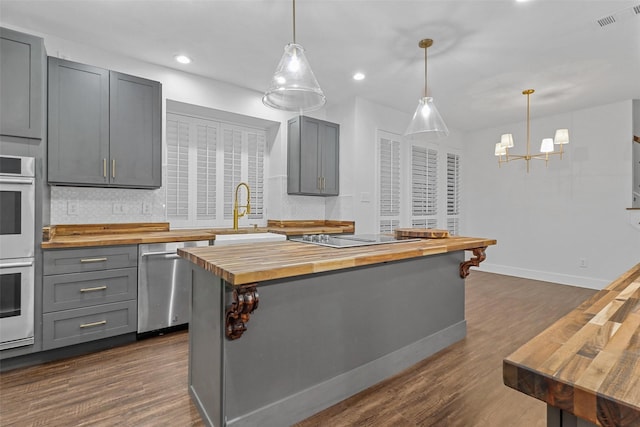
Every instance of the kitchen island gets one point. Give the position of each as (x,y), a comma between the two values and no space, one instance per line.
(282,330)
(586,366)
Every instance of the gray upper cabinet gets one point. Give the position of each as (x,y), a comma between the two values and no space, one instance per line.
(313,157)
(104,127)
(21,80)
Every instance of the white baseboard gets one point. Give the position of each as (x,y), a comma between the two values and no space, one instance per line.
(545,276)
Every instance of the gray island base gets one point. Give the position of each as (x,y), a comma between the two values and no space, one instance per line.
(317,339)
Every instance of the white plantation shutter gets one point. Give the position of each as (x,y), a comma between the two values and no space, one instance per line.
(389,184)
(232,141)
(424,186)
(207,137)
(453,193)
(255,153)
(206,160)
(177,168)
(424,223)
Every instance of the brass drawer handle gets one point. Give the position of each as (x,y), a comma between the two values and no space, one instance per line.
(113,168)
(104,168)
(97,288)
(86,260)
(89,325)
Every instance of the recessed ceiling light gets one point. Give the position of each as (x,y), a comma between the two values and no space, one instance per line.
(183,59)
(358,76)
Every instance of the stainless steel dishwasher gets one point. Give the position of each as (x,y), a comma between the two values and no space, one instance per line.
(164,286)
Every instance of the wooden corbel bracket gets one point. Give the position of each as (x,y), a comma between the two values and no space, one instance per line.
(473,262)
(245,300)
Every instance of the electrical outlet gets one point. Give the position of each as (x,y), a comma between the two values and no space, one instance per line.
(146,208)
(582,262)
(118,208)
(72,207)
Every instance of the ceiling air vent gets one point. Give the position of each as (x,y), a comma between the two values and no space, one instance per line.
(619,16)
(606,20)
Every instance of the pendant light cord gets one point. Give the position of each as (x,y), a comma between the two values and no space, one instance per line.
(294,21)
(425,72)
(528,122)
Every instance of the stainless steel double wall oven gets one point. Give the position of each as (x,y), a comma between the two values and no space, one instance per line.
(17,248)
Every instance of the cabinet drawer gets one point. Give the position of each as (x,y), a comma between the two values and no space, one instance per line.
(76,290)
(80,325)
(60,261)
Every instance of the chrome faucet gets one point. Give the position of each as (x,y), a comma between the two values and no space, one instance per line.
(236,207)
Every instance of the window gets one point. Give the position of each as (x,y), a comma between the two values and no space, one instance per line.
(206,160)
(424,187)
(418,184)
(453,193)
(389,182)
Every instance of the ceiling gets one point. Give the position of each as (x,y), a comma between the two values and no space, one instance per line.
(484,54)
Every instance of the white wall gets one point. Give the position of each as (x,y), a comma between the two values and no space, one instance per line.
(547,220)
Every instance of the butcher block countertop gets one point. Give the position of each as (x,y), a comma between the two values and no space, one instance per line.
(588,362)
(251,263)
(86,235)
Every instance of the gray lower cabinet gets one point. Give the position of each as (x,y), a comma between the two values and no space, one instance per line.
(104,127)
(88,294)
(313,157)
(21,80)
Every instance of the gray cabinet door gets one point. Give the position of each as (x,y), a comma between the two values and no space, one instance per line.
(135,131)
(313,157)
(78,123)
(310,156)
(330,159)
(21,74)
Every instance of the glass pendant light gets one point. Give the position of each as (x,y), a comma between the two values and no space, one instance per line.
(426,120)
(294,86)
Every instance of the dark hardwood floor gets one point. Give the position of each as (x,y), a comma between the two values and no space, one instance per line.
(145,383)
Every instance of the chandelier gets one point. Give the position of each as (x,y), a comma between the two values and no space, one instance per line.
(546,147)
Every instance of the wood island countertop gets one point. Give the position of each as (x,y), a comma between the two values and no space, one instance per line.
(86,235)
(251,263)
(588,362)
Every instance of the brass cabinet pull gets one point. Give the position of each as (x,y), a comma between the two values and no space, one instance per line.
(104,168)
(97,288)
(89,325)
(113,168)
(86,260)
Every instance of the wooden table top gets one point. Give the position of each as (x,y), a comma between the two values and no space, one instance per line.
(251,263)
(588,362)
(86,235)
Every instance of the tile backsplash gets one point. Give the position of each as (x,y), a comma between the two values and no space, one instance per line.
(88,205)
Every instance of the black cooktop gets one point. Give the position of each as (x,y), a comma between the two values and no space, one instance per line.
(348,241)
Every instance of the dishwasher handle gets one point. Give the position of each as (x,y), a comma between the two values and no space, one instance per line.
(174,253)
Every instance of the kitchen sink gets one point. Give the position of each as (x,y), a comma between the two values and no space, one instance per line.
(233,239)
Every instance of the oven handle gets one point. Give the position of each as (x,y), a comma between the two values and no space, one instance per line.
(17,264)
(15,180)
